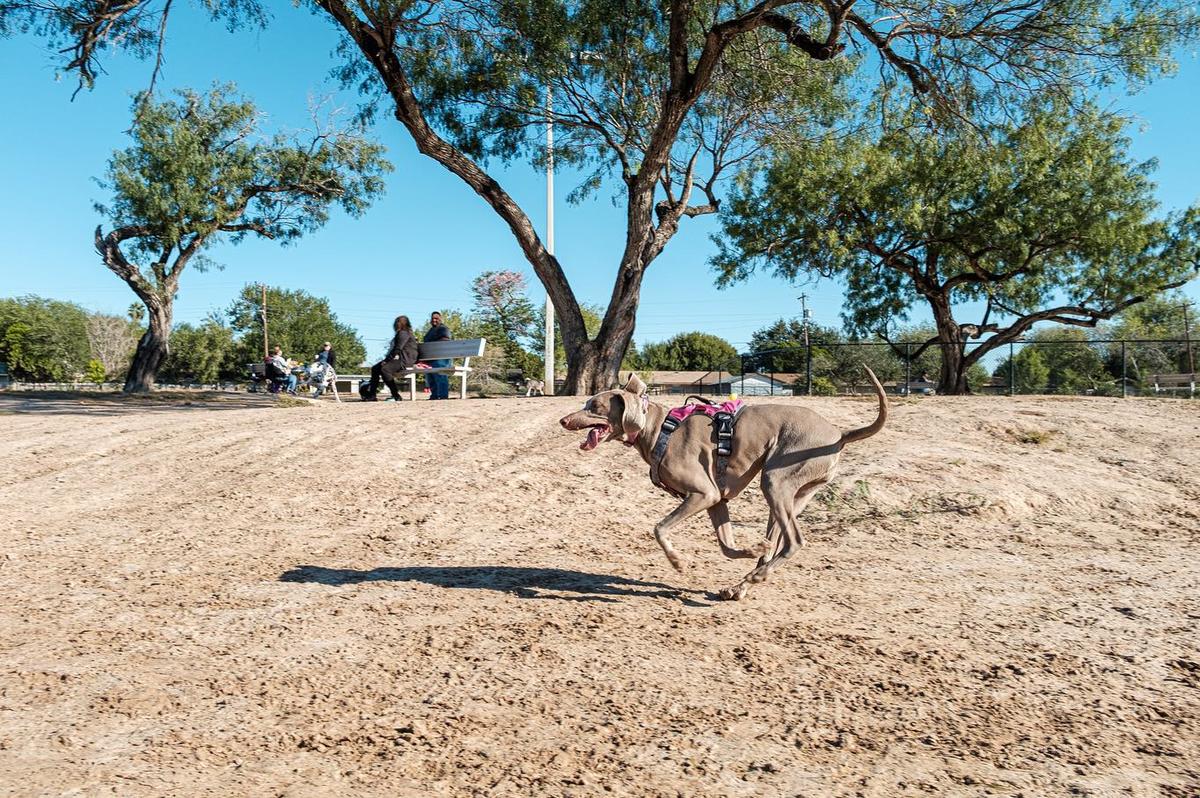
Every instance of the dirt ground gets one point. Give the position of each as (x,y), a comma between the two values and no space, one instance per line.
(222,596)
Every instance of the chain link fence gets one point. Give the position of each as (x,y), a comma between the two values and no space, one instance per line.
(1068,367)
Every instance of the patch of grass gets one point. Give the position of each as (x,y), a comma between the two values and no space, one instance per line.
(291,401)
(833,499)
(1031,435)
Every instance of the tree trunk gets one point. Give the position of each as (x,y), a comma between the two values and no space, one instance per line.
(152,349)
(594,366)
(952,381)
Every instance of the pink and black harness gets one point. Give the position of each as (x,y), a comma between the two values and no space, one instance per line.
(724,416)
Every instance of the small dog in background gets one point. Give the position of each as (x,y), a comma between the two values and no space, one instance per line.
(321,377)
(534,387)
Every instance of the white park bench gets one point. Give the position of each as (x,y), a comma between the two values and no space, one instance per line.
(466,349)
(1173,382)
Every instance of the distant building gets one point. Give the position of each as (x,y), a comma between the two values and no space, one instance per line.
(719,383)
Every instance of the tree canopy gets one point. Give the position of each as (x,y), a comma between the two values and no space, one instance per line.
(297,321)
(691,351)
(43,340)
(1045,219)
(197,170)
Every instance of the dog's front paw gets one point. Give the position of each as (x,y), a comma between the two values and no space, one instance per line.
(676,561)
(734,593)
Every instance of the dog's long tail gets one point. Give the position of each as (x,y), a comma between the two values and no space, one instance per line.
(877,424)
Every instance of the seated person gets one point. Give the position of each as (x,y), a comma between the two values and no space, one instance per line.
(280,371)
(400,357)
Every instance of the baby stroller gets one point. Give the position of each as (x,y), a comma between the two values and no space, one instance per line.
(263,379)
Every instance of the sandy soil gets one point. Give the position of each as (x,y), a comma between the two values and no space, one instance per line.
(231,597)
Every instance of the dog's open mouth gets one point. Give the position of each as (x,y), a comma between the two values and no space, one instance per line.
(595,433)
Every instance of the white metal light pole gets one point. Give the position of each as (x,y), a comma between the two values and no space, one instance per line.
(548,353)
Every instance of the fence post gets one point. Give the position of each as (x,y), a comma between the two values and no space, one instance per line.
(907,369)
(808,370)
(1124,380)
(1012,371)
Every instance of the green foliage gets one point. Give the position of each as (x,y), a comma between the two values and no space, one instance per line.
(1160,319)
(202,354)
(821,386)
(43,340)
(297,321)
(1029,373)
(1059,361)
(1050,206)
(1074,364)
(977,377)
(779,347)
(201,165)
(692,351)
(95,372)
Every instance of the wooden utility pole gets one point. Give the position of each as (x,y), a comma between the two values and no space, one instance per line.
(807,347)
(266,350)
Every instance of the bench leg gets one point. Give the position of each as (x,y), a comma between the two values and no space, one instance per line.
(412,387)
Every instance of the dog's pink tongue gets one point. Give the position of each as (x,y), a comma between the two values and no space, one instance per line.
(593,439)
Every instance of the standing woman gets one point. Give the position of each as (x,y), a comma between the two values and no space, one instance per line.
(399,358)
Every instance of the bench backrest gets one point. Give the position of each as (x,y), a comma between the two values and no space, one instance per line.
(258,369)
(443,350)
(1173,379)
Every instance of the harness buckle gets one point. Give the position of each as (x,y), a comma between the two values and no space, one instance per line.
(724,424)
(670,424)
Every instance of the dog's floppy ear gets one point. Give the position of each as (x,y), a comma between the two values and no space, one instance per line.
(633,418)
(635,384)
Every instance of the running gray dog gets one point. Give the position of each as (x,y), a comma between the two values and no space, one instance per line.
(796,450)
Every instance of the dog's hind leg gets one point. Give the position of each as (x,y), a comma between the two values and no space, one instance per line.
(719,515)
(692,504)
(784,509)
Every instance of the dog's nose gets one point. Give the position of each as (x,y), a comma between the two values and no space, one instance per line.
(563,421)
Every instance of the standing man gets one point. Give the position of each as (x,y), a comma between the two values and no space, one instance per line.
(439,384)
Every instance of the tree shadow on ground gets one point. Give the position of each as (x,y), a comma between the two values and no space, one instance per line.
(534,583)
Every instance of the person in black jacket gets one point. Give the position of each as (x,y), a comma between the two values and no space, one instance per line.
(400,356)
(327,356)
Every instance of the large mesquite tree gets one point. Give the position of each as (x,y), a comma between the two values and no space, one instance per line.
(665,98)
(199,170)
(1047,220)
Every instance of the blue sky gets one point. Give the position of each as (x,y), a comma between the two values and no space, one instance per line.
(418,247)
